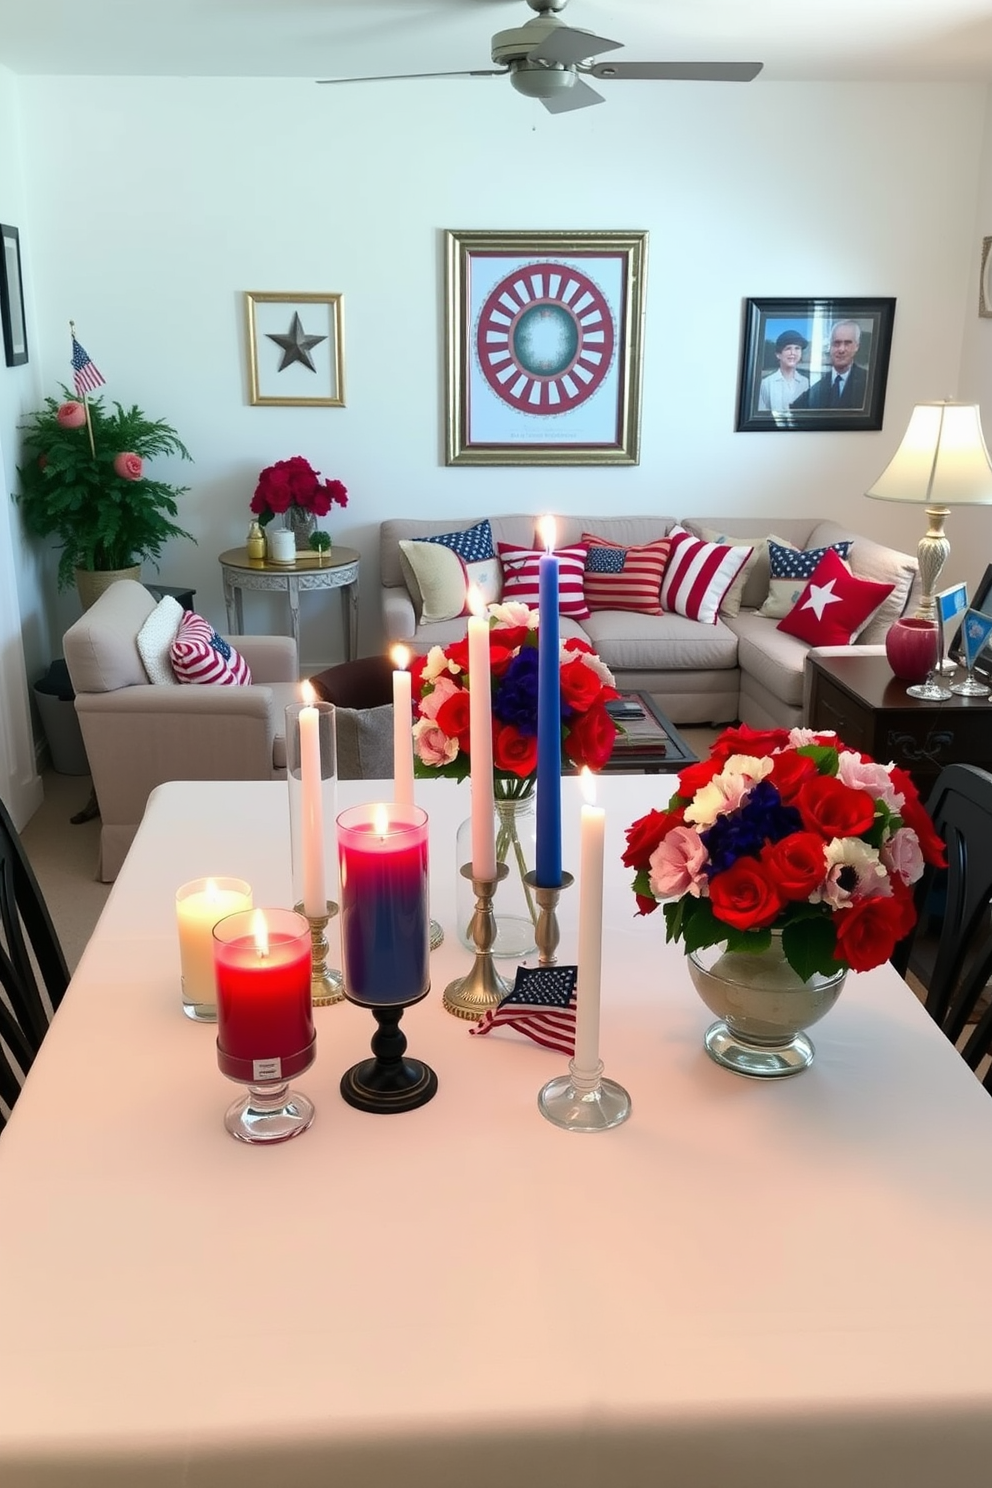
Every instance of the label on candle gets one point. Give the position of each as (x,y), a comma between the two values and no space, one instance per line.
(267,1069)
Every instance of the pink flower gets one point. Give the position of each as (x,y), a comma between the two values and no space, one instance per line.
(676,865)
(432,744)
(902,855)
(128,466)
(443,689)
(865,775)
(71,416)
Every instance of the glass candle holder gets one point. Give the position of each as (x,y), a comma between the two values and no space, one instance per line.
(265,1032)
(199,905)
(385,945)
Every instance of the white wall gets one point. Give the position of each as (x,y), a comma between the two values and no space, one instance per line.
(152,204)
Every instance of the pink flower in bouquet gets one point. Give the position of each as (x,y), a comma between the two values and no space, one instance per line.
(128,465)
(71,415)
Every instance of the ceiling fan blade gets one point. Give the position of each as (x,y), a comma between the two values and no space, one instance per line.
(689,72)
(568,46)
(580,95)
(396,77)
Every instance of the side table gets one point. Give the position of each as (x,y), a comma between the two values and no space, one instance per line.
(869,709)
(336,569)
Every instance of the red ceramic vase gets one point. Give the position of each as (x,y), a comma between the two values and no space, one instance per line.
(911,647)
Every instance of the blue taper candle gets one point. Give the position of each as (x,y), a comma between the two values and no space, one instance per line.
(548,866)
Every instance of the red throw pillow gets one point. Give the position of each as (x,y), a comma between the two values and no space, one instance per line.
(520,577)
(199,654)
(834,606)
(619,578)
(699,574)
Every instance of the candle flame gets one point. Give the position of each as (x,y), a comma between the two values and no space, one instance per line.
(587,782)
(308,695)
(210,889)
(546,531)
(475,602)
(260,931)
(400,657)
(380,820)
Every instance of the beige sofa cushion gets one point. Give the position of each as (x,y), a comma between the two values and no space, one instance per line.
(101,647)
(776,661)
(668,642)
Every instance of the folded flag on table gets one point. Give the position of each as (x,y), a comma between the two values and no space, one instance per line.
(86,374)
(541,1005)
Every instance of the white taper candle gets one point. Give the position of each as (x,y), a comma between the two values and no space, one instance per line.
(481,743)
(593,831)
(312,809)
(402,728)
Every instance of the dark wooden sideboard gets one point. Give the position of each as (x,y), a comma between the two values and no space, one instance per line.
(868,707)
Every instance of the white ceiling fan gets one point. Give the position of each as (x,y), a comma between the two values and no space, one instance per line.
(548,60)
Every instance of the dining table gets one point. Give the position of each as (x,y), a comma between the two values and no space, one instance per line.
(749,1284)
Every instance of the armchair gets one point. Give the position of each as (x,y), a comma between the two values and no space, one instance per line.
(138,735)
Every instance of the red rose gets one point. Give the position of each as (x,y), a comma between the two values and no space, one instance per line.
(744,896)
(694,777)
(645,904)
(514,751)
(503,646)
(914,814)
(868,932)
(458,653)
(453,718)
(580,687)
(508,637)
(71,416)
(319,503)
(745,740)
(591,737)
(829,806)
(644,835)
(795,864)
(337,493)
(128,465)
(789,773)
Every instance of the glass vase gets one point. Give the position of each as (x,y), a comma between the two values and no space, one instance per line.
(513,905)
(302,524)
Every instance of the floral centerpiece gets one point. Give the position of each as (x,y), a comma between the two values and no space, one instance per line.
(83,481)
(786,830)
(294,490)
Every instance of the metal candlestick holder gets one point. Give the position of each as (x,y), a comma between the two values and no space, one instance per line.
(583,1101)
(546,931)
(326,984)
(483,988)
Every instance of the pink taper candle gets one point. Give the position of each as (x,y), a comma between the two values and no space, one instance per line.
(402,728)
(481,741)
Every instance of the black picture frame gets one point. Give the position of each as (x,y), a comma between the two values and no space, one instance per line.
(765,407)
(15,335)
(982,602)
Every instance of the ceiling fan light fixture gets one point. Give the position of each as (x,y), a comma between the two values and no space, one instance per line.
(535,81)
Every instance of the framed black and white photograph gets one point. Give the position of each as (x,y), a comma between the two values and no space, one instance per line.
(295,349)
(814,364)
(15,336)
(544,333)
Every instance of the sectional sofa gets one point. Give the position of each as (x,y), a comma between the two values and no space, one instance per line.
(743,667)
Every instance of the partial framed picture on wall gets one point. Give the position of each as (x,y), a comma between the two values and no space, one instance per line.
(15,336)
(544,337)
(814,364)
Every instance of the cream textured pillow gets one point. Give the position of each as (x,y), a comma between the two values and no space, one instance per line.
(154,641)
(791,570)
(441,576)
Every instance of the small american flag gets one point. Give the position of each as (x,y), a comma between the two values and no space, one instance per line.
(541,1005)
(86,373)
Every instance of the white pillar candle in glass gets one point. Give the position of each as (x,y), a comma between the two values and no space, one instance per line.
(199,905)
(402,728)
(481,740)
(312,802)
(590,930)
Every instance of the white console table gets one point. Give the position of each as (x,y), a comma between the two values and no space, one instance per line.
(335,569)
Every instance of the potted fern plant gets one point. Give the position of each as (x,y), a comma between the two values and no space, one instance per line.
(83,481)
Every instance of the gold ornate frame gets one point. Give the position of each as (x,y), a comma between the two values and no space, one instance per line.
(483,425)
(322,319)
(984,284)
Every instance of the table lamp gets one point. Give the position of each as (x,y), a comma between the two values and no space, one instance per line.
(942,462)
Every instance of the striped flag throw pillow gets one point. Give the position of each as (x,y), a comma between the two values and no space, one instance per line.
(699,574)
(520,577)
(199,655)
(619,578)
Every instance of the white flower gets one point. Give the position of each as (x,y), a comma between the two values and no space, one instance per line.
(867,876)
(514,613)
(592,661)
(800,737)
(437,663)
(726,791)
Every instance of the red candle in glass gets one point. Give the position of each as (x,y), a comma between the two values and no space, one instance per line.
(385,919)
(264,1013)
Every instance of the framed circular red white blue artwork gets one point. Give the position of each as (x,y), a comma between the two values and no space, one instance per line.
(544,347)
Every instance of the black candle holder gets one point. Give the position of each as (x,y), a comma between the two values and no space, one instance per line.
(388,1082)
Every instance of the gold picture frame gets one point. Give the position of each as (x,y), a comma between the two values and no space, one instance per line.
(295,349)
(984,284)
(544,335)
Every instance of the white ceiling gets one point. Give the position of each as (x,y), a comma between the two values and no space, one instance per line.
(796,39)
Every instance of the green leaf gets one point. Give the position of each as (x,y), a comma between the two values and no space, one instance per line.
(809,947)
(824,756)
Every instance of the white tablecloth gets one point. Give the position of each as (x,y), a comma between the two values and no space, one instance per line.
(750,1284)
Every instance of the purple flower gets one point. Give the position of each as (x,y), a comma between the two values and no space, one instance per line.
(744,832)
(515,700)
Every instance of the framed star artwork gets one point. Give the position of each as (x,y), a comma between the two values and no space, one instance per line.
(543,336)
(295,349)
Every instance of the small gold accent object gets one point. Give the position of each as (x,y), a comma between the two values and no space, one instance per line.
(483,988)
(256,542)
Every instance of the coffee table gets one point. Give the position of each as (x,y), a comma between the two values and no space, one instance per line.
(650,743)
(859,698)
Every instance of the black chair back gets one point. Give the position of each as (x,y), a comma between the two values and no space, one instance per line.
(958,899)
(33,971)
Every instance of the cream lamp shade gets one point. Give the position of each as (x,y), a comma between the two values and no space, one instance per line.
(942,462)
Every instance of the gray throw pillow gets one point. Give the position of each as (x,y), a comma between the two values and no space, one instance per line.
(364,742)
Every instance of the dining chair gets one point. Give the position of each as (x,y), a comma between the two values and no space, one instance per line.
(33,970)
(953,909)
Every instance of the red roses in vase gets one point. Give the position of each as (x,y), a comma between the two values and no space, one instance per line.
(295,484)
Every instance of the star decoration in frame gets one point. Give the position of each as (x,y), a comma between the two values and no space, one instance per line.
(295,349)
